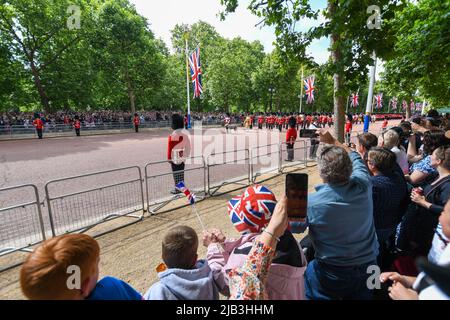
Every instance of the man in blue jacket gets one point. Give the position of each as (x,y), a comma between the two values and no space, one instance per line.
(341,226)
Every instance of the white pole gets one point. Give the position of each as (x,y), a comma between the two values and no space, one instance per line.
(188,84)
(370,93)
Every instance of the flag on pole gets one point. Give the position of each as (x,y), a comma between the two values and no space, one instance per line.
(355,101)
(394,103)
(379,98)
(190,196)
(309,89)
(196,72)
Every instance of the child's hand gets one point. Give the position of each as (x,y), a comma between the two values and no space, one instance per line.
(213,236)
(219,236)
(208,238)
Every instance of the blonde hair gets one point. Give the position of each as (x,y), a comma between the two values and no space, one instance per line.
(390,139)
(44,274)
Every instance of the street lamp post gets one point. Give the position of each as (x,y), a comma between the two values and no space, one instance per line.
(271,90)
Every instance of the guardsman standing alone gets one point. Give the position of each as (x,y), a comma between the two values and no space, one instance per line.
(38,124)
(136,122)
(77,125)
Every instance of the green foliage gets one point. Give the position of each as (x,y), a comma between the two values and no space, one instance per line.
(421,53)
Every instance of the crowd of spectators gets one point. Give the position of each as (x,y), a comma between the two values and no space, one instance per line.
(383,204)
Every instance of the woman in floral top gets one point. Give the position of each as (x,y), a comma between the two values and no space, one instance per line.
(248,281)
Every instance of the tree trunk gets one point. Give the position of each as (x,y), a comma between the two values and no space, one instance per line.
(339,100)
(39,87)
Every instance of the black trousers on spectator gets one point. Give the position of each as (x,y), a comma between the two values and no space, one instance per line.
(136,128)
(178,172)
(314,146)
(77,131)
(39,133)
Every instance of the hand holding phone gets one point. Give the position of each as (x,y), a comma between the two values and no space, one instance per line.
(297,196)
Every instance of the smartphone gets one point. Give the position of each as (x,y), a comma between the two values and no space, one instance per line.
(297,195)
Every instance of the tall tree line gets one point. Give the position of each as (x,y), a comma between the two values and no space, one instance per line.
(113,61)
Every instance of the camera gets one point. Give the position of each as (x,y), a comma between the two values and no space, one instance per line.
(308,133)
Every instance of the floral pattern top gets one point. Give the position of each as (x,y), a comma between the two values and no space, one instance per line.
(248,281)
(424,166)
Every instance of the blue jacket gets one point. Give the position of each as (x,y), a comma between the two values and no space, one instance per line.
(184,284)
(110,288)
(341,222)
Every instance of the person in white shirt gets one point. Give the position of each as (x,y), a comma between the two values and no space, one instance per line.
(421,287)
(390,140)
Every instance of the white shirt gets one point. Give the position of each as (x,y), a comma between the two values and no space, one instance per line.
(402,159)
(433,292)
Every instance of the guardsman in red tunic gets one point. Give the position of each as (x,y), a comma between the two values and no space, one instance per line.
(77,125)
(39,125)
(136,122)
(260,122)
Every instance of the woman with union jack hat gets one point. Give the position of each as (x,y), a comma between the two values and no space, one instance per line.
(250,213)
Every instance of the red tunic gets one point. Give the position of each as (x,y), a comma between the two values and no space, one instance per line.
(38,123)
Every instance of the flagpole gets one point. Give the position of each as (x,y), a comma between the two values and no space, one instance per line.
(301,92)
(194,208)
(187,83)
(369,109)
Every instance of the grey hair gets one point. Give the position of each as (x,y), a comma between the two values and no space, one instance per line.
(390,139)
(335,166)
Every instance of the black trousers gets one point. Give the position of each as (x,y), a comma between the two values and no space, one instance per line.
(39,133)
(178,172)
(77,131)
(136,128)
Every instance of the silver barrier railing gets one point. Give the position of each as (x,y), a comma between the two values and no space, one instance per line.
(216,161)
(300,155)
(79,211)
(262,155)
(22,225)
(158,186)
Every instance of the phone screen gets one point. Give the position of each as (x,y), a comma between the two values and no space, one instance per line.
(297,195)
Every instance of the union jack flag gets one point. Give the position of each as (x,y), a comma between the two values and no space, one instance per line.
(355,101)
(196,72)
(309,89)
(379,98)
(190,196)
(252,211)
(394,103)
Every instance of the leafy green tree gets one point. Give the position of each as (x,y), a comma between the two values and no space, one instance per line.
(39,37)
(421,52)
(126,51)
(352,43)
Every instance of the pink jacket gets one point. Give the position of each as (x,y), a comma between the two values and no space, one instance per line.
(284,282)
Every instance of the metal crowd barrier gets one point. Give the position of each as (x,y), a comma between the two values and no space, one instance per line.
(82,210)
(22,224)
(269,153)
(216,170)
(300,155)
(158,186)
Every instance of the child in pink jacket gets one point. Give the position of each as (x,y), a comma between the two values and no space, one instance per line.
(250,213)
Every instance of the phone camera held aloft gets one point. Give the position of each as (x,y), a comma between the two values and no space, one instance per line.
(297,195)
